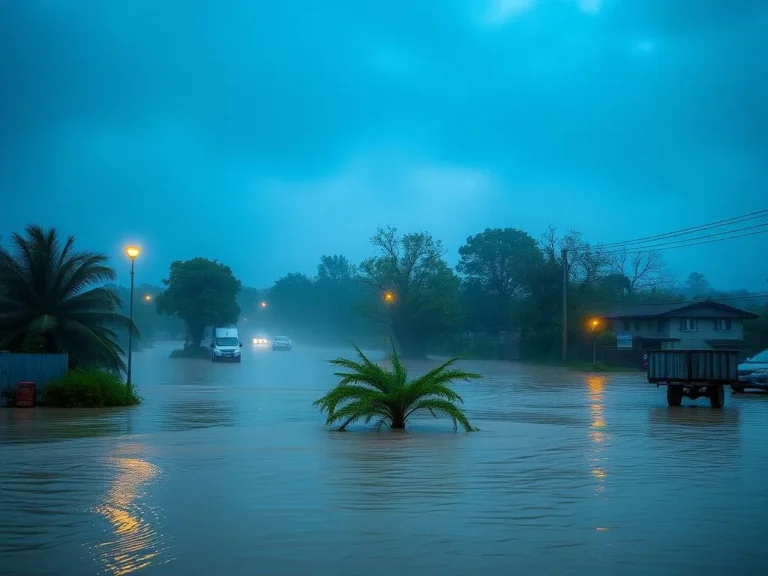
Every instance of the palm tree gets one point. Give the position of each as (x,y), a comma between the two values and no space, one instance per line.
(52,299)
(367,391)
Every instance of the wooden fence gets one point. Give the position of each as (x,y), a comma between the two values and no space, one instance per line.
(37,368)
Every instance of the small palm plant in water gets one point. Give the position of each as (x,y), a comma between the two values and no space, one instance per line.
(368,391)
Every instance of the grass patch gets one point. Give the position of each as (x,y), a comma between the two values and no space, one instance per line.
(198,352)
(89,389)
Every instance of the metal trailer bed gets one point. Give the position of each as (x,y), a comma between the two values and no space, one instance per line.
(694,373)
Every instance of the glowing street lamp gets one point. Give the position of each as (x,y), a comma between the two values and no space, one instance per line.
(594,324)
(263,304)
(389,297)
(132,253)
(148,298)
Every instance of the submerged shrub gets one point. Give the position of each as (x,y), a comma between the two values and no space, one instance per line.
(366,391)
(88,389)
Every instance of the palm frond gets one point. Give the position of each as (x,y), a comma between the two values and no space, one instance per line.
(52,294)
(366,391)
(434,405)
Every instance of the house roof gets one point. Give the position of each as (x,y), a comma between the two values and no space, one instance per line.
(673,310)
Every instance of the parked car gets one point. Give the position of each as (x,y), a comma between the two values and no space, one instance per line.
(225,345)
(281,343)
(753,373)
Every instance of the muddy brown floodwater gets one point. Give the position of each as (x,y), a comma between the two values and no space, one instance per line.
(227,469)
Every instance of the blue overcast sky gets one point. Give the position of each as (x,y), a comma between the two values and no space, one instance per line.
(265,133)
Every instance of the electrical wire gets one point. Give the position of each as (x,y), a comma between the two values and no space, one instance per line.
(686,242)
(699,228)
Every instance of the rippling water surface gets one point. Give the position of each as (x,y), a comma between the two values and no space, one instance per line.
(227,469)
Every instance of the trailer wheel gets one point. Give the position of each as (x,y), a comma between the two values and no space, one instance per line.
(674,395)
(716,396)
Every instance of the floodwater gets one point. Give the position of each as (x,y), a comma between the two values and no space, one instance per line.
(227,469)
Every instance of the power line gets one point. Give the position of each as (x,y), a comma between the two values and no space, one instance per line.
(685,242)
(699,228)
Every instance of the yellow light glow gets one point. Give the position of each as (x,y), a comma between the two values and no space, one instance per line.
(148,297)
(132,547)
(598,434)
(133,252)
(389,297)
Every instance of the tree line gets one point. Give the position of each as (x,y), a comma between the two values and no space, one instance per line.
(54,298)
(505,279)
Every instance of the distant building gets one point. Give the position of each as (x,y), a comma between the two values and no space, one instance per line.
(702,325)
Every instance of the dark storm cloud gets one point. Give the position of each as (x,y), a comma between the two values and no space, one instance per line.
(147,102)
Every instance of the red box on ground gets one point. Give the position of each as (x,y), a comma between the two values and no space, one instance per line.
(25,395)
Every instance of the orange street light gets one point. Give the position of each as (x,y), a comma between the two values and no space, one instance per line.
(133,252)
(594,323)
(389,297)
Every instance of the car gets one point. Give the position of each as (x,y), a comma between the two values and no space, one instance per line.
(260,340)
(225,345)
(281,343)
(753,373)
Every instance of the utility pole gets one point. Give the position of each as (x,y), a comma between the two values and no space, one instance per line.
(564,259)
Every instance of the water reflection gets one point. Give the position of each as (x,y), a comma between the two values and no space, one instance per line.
(135,542)
(597,433)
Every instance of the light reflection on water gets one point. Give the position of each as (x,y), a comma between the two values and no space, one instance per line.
(228,469)
(134,544)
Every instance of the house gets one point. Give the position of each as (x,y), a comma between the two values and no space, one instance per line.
(701,325)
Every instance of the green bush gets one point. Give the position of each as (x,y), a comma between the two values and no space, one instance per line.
(89,388)
(191,352)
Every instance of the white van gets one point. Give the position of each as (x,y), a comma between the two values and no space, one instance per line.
(225,345)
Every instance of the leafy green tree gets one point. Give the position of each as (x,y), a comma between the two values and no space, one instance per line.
(422,292)
(501,264)
(52,300)
(292,303)
(367,391)
(335,268)
(202,293)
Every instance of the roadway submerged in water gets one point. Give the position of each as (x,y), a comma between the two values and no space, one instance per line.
(227,469)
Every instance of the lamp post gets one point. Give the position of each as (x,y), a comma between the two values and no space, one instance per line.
(595,323)
(133,253)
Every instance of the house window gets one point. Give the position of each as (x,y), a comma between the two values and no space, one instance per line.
(660,326)
(625,326)
(689,325)
(722,324)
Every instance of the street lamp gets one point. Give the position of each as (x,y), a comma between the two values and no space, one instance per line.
(148,298)
(133,253)
(595,324)
(263,304)
(389,298)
